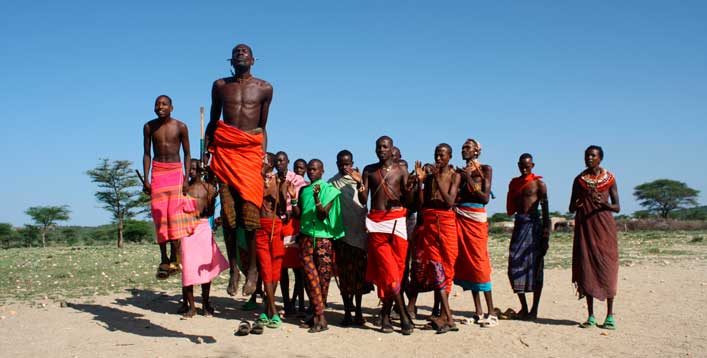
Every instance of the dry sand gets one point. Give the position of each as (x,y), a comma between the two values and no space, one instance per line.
(660,311)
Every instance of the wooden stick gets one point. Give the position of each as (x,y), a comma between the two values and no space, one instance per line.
(274,212)
(140,176)
(201,133)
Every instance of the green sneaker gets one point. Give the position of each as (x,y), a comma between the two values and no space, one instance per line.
(275,322)
(263,319)
(591,322)
(609,323)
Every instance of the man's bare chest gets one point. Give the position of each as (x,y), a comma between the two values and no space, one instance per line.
(237,94)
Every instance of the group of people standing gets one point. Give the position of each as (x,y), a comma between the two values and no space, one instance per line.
(404,230)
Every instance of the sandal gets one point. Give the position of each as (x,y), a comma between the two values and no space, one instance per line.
(174,268)
(243,328)
(609,323)
(258,328)
(489,322)
(591,322)
(263,319)
(275,322)
(387,328)
(406,329)
(162,272)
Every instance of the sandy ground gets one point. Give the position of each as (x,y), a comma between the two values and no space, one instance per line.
(660,311)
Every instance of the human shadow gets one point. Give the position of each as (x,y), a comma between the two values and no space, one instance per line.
(133,323)
(228,308)
(556,322)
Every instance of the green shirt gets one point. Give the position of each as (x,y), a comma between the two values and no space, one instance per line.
(332,227)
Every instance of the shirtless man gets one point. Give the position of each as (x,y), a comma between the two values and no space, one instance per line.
(202,260)
(387,184)
(238,145)
(436,251)
(473,267)
(270,248)
(164,135)
(530,239)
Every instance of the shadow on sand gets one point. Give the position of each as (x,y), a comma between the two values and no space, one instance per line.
(129,322)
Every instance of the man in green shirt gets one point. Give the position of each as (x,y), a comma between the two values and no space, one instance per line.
(319,210)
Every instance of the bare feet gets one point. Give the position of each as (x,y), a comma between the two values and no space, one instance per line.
(251,281)
(320,325)
(207,310)
(189,313)
(233,283)
(412,312)
(406,328)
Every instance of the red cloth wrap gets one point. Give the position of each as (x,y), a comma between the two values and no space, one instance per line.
(440,243)
(386,255)
(514,189)
(473,263)
(269,249)
(238,161)
(292,259)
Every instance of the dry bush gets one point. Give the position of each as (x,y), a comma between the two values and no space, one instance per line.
(660,224)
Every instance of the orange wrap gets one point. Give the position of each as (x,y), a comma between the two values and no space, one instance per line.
(440,242)
(237,160)
(473,263)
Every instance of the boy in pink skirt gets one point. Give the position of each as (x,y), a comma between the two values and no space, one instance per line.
(202,260)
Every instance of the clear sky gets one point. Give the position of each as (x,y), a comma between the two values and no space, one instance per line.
(550,78)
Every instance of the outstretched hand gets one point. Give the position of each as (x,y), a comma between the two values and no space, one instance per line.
(355,175)
(291,189)
(420,171)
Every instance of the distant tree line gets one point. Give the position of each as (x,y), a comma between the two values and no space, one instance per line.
(135,231)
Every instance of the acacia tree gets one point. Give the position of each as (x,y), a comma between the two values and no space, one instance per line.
(664,195)
(45,218)
(118,190)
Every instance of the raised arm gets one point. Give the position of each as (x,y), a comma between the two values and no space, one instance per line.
(297,209)
(264,111)
(486,190)
(215,114)
(184,137)
(544,207)
(146,158)
(363,189)
(449,194)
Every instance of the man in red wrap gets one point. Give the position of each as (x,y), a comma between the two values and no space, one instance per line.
(595,252)
(387,183)
(237,146)
(436,249)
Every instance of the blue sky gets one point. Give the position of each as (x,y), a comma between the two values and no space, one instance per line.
(549,78)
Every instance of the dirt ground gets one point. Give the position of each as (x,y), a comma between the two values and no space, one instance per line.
(660,311)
